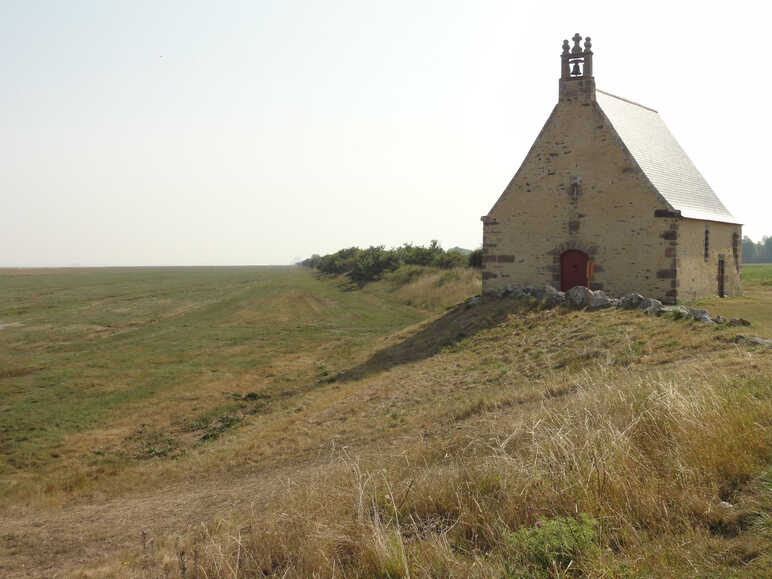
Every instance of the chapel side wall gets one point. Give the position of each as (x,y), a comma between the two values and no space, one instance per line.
(698,277)
(611,217)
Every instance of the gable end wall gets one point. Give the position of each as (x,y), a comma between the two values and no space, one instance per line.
(614,215)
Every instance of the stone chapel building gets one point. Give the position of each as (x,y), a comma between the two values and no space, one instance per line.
(606,198)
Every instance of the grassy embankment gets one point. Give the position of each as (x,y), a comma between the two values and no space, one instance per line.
(315,429)
(754,305)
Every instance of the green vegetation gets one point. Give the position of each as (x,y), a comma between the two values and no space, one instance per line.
(94,344)
(758,272)
(365,265)
(760,252)
(269,421)
(551,547)
(755,305)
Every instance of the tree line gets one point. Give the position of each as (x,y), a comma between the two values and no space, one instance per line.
(363,265)
(759,252)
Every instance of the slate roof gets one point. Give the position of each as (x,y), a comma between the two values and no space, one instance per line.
(662,159)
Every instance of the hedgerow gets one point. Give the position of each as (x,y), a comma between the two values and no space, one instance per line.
(364,265)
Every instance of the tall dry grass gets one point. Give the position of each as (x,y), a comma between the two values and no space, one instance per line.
(648,457)
(432,288)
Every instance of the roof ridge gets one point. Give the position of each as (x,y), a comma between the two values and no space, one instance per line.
(627,100)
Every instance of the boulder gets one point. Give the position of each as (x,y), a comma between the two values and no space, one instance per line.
(701,316)
(578,296)
(598,299)
(651,306)
(719,320)
(551,297)
(738,322)
(679,311)
(754,340)
(630,301)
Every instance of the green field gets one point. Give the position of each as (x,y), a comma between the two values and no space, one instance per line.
(755,305)
(757,272)
(96,344)
(255,421)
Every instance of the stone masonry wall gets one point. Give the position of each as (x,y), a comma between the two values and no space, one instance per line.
(697,276)
(578,188)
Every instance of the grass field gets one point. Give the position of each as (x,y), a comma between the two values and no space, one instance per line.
(261,421)
(756,303)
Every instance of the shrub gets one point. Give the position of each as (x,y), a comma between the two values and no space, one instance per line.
(476,258)
(418,254)
(331,264)
(407,274)
(449,260)
(371,263)
(336,263)
(552,545)
(312,261)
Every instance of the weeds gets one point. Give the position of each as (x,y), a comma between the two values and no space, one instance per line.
(551,548)
(631,455)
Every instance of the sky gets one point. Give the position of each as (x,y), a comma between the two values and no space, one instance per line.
(257,132)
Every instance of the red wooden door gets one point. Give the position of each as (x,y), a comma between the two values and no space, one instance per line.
(573,269)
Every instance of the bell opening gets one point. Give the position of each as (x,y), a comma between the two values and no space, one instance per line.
(576,70)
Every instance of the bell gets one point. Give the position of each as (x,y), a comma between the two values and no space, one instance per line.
(576,71)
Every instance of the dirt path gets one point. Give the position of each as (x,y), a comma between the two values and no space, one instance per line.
(58,542)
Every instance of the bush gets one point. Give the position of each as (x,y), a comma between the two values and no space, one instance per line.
(551,546)
(336,263)
(373,262)
(476,258)
(449,260)
(331,264)
(407,274)
(419,255)
(312,261)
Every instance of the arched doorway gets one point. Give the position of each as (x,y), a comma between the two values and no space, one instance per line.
(573,269)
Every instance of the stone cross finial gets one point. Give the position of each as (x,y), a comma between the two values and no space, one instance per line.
(577,49)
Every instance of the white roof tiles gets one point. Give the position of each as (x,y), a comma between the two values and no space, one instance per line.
(662,159)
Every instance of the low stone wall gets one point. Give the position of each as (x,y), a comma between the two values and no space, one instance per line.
(580,297)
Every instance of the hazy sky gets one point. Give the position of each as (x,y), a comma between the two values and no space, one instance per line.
(246,132)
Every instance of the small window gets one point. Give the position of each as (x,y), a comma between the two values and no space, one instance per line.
(707,244)
(736,250)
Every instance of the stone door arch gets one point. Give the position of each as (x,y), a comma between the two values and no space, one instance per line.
(573,269)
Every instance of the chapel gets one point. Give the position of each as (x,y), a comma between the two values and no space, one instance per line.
(606,198)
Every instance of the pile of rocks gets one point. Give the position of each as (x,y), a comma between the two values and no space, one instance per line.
(582,297)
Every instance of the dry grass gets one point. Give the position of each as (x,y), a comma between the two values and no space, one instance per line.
(447,456)
(432,288)
(422,449)
(755,305)
(649,457)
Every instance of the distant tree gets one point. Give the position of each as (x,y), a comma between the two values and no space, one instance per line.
(766,243)
(749,250)
(475,258)
(760,252)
